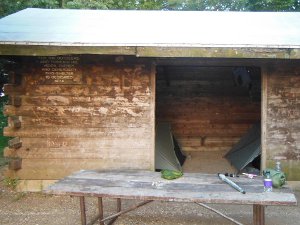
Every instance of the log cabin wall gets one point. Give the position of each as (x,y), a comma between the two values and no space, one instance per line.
(282,118)
(80,112)
(206,108)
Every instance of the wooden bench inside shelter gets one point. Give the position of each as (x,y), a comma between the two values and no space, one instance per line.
(148,186)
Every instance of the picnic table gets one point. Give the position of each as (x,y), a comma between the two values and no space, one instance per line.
(149,186)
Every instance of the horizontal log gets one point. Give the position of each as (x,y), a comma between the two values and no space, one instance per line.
(76,90)
(101,76)
(211,132)
(86,121)
(58,168)
(196,80)
(205,148)
(15,164)
(57,111)
(86,143)
(172,116)
(200,91)
(208,141)
(224,109)
(80,153)
(80,132)
(86,101)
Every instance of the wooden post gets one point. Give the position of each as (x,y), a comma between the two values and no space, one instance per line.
(100,207)
(258,215)
(264,108)
(119,207)
(119,204)
(82,210)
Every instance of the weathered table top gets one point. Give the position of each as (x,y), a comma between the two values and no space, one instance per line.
(147,185)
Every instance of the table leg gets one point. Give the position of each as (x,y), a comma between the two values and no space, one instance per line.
(82,210)
(119,204)
(119,207)
(100,207)
(258,215)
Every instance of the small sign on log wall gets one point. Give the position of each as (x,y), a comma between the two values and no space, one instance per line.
(59,70)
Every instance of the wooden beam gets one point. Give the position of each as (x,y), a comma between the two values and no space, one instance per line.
(152,114)
(82,210)
(222,52)
(100,207)
(219,213)
(264,119)
(126,210)
(46,50)
(258,215)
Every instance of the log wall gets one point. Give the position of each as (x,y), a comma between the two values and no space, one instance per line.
(85,112)
(206,109)
(282,118)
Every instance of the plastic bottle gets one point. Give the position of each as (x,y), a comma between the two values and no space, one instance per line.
(267,182)
(278,166)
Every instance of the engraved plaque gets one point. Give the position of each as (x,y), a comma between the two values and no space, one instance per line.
(60,70)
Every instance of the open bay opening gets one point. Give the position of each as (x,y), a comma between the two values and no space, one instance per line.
(209,109)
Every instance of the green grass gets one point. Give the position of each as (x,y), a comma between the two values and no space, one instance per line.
(3,123)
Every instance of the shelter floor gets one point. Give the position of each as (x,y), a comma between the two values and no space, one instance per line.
(207,162)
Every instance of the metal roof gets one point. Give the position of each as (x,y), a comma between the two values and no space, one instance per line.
(154,29)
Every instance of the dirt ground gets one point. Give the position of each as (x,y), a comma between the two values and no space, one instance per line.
(40,209)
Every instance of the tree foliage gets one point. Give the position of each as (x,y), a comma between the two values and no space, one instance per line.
(10,6)
(273,5)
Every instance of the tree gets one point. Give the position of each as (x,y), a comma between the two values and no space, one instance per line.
(235,5)
(8,6)
(273,5)
(210,5)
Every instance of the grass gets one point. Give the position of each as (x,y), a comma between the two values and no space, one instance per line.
(3,123)
(11,182)
(3,144)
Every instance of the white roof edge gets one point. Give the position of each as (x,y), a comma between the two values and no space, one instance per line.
(167,45)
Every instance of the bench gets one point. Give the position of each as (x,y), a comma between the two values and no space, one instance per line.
(149,186)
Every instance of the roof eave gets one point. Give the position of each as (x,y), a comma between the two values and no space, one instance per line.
(153,51)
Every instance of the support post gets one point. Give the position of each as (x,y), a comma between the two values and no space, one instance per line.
(258,215)
(82,210)
(119,203)
(100,208)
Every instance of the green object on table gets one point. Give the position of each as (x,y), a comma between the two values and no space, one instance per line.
(278,177)
(171,174)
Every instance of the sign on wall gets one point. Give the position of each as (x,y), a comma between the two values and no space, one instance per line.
(60,70)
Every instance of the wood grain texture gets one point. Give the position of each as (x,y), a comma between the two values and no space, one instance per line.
(191,187)
(90,112)
(207,110)
(283,129)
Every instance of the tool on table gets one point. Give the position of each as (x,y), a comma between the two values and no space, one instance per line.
(250,175)
(231,183)
(231,175)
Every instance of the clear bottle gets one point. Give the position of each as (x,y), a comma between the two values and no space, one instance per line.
(267,182)
(278,166)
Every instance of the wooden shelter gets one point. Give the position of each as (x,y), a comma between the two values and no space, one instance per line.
(87,87)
